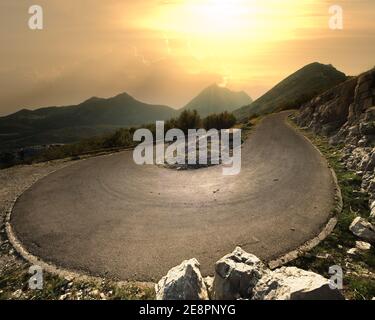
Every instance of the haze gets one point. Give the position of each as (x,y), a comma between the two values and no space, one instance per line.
(167,51)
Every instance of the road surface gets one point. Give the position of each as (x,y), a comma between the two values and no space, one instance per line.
(109,216)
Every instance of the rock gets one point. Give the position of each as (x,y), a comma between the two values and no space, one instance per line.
(103,296)
(236,275)
(65,296)
(323,256)
(209,282)
(183,282)
(352,252)
(364,163)
(290,283)
(17,294)
(371,163)
(94,292)
(372,214)
(367,128)
(363,229)
(363,246)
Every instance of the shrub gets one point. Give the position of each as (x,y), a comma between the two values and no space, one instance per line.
(220,121)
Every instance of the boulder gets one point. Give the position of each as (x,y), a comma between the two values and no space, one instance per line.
(290,283)
(363,246)
(236,275)
(363,229)
(183,282)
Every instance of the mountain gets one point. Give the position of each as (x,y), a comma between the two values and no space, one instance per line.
(72,123)
(295,90)
(215,99)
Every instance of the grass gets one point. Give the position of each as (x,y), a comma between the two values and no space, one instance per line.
(14,285)
(359,270)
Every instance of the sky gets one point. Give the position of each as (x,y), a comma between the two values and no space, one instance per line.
(167,51)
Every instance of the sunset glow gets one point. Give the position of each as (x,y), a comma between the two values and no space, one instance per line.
(166,51)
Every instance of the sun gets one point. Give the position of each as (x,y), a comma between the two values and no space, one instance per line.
(219,16)
(220,36)
(203,18)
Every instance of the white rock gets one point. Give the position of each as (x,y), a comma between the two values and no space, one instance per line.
(209,282)
(372,214)
(94,292)
(352,252)
(294,284)
(65,296)
(236,275)
(361,245)
(17,294)
(103,296)
(183,282)
(363,229)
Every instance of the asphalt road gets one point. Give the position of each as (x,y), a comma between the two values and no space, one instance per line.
(109,216)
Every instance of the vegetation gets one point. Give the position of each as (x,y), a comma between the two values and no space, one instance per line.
(187,120)
(220,121)
(14,284)
(123,138)
(359,269)
(295,90)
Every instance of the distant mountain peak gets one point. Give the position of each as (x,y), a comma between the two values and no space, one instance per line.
(93,117)
(92,99)
(217,99)
(123,95)
(295,90)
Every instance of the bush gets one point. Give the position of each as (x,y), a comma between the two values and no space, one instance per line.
(124,137)
(189,120)
(121,138)
(220,121)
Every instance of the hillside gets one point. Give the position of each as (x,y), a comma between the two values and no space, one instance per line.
(295,90)
(73,123)
(215,99)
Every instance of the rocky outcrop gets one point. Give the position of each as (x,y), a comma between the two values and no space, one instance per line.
(363,229)
(294,284)
(346,114)
(236,275)
(328,112)
(242,276)
(183,282)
